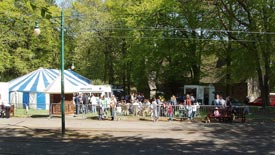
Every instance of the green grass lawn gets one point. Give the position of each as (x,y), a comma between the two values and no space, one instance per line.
(30,112)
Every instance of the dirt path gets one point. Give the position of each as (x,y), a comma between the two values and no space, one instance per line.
(33,136)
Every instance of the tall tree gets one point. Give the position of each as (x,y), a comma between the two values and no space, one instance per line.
(20,49)
(254,17)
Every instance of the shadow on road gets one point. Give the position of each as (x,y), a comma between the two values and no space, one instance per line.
(223,139)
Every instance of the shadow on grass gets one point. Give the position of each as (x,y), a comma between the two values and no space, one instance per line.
(145,119)
(96,118)
(40,116)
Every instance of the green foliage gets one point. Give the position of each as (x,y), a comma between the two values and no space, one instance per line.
(122,41)
(21,50)
(98,82)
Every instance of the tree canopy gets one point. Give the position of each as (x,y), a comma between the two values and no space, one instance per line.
(122,42)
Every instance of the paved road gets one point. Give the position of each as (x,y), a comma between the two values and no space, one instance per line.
(34,136)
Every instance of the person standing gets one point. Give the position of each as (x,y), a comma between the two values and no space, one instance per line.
(154,109)
(93,101)
(217,100)
(104,106)
(1,107)
(170,112)
(188,103)
(77,104)
(192,98)
(113,103)
(133,97)
(222,102)
(173,100)
(100,108)
(195,108)
(7,107)
(228,102)
(85,101)
(174,103)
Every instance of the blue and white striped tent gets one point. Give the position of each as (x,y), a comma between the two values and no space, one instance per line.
(30,88)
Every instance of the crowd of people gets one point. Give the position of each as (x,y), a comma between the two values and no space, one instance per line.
(226,105)
(136,104)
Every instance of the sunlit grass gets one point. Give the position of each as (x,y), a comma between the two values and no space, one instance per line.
(30,112)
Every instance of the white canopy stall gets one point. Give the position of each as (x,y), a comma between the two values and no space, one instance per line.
(29,90)
(4,91)
(71,86)
(105,90)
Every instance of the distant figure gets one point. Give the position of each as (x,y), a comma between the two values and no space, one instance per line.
(173,100)
(188,103)
(85,101)
(93,101)
(154,109)
(7,107)
(216,112)
(222,102)
(113,103)
(1,107)
(228,101)
(170,112)
(192,98)
(217,100)
(195,108)
(100,108)
(77,104)
(247,100)
(133,97)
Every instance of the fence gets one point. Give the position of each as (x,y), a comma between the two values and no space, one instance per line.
(144,110)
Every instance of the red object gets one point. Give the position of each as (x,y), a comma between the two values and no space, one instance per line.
(258,101)
(170,109)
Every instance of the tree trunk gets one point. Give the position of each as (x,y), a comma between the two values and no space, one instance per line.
(195,56)
(123,50)
(228,71)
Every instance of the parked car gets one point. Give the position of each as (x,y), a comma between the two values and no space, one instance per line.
(235,102)
(258,101)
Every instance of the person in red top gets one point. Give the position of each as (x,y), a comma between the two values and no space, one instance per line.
(170,112)
(188,100)
(188,103)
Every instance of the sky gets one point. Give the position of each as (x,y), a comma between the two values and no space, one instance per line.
(58,1)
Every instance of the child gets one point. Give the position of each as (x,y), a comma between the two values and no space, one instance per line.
(216,112)
(195,108)
(170,112)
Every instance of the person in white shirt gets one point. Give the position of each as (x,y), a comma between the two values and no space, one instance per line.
(93,101)
(217,100)
(222,102)
(195,108)
(154,114)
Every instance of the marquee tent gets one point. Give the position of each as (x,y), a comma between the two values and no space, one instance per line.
(78,76)
(4,91)
(70,85)
(30,89)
